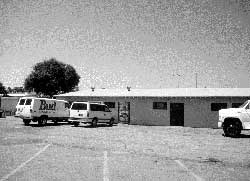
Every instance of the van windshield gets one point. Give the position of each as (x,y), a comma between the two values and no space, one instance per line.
(22,102)
(79,106)
(243,105)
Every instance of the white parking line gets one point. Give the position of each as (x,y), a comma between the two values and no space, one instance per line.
(198,178)
(23,164)
(105,166)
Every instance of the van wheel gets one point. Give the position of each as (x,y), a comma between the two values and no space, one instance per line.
(42,121)
(94,122)
(111,122)
(26,122)
(232,129)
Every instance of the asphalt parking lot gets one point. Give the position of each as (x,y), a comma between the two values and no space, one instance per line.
(121,152)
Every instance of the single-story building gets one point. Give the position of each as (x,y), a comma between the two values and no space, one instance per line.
(8,104)
(191,107)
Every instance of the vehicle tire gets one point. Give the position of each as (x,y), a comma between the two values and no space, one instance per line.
(111,122)
(42,121)
(94,122)
(232,129)
(76,124)
(26,122)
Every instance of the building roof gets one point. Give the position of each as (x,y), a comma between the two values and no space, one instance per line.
(170,92)
(25,94)
(17,94)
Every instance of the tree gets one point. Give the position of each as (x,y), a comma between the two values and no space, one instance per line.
(3,90)
(17,89)
(9,90)
(52,77)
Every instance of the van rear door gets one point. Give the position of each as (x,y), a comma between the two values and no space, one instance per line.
(78,110)
(19,106)
(27,108)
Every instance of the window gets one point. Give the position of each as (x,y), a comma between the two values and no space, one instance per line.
(79,106)
(93,107)
(110,104)
(218,106)
(28,102)
(22,101)
(159,105)
(236,105)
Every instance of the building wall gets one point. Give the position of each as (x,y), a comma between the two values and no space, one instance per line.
(142,112)
(197,111)
(8,105)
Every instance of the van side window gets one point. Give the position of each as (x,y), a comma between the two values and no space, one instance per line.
(22,101)
(96,107)
(93,107)
(101,108)
(79,106)
(28,102)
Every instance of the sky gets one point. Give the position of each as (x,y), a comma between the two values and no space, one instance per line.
(136,43)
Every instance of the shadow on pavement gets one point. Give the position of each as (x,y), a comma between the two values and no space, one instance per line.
(98,126)
(243,136)
(240,136)
(49,124)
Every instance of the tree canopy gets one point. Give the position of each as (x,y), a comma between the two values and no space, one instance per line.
(52,77)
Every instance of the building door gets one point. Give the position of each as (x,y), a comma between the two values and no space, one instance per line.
(124,112)
(176,114)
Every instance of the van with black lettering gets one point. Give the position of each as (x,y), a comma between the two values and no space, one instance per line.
(42,109)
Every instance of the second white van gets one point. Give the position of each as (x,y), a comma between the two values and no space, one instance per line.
(90,112)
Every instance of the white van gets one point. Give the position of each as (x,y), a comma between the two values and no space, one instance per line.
(42,109)
(90,112)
